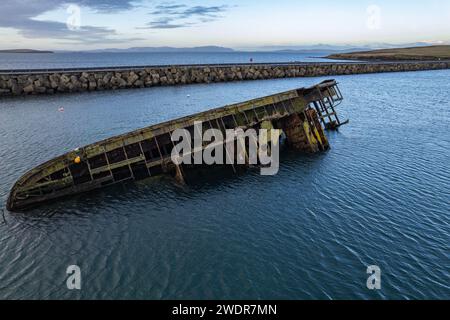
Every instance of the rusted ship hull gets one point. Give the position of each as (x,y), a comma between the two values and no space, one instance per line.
(146,152)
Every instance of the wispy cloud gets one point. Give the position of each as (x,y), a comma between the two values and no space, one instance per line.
(165,23)
(20,15)
(165,9)
(202,11)
(170,15)
(106,5)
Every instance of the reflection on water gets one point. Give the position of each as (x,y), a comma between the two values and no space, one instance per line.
(379,196)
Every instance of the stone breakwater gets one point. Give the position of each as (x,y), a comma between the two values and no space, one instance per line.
(19,83)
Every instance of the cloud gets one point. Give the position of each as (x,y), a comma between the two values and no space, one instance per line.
(202,11)
(165,9)
(106,5)
(164,23)
(20,15)
(170,16)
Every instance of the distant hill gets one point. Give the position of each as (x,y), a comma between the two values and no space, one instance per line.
(24,51)
(312,48)
(315,51)
(205,49)
(414,53)
(334,48)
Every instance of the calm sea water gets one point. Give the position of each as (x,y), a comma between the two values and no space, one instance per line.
(380,196)
(74,60)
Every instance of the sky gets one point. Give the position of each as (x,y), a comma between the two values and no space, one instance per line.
(244,24)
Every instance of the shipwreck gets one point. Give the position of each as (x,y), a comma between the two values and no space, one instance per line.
(302,115)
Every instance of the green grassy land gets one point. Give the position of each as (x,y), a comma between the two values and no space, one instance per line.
(416,53)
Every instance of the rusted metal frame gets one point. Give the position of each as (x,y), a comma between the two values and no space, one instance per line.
(173,143)
(107,164)
(257,117)
(116,165)
(338,91)
(251,122)
(70,172)
(201,136)
(238,141)
(41,193)
(145,160)
(322,101)
(267,112)
(292,106)
(224,145)
(235,121)
(44,184)
(285,109)
(312,125)
(257,147)
(327,114)
(128,164)
(278,111)
(64,192)
(268,118)
(89,166)
(127,158)
(225,140)
(330,94)
(179,169)
(331,114)
(307,117)
(199,132)
(41,190)
(159,150)
(339,99)
(275,109)
(316,106)
(256,114)
(331,106)
(321,106)
(239,107)
(328,102)
(335,102)
(245,116)
(283,106)
(317,133)
(211,127)
(305,114)
(335,114)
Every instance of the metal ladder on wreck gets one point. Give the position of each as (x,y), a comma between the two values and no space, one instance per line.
(330,98)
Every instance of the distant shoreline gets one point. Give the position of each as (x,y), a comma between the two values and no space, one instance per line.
(24,51)
(429,53)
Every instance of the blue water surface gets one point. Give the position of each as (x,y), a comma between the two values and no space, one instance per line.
(10,61)
(380,196)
